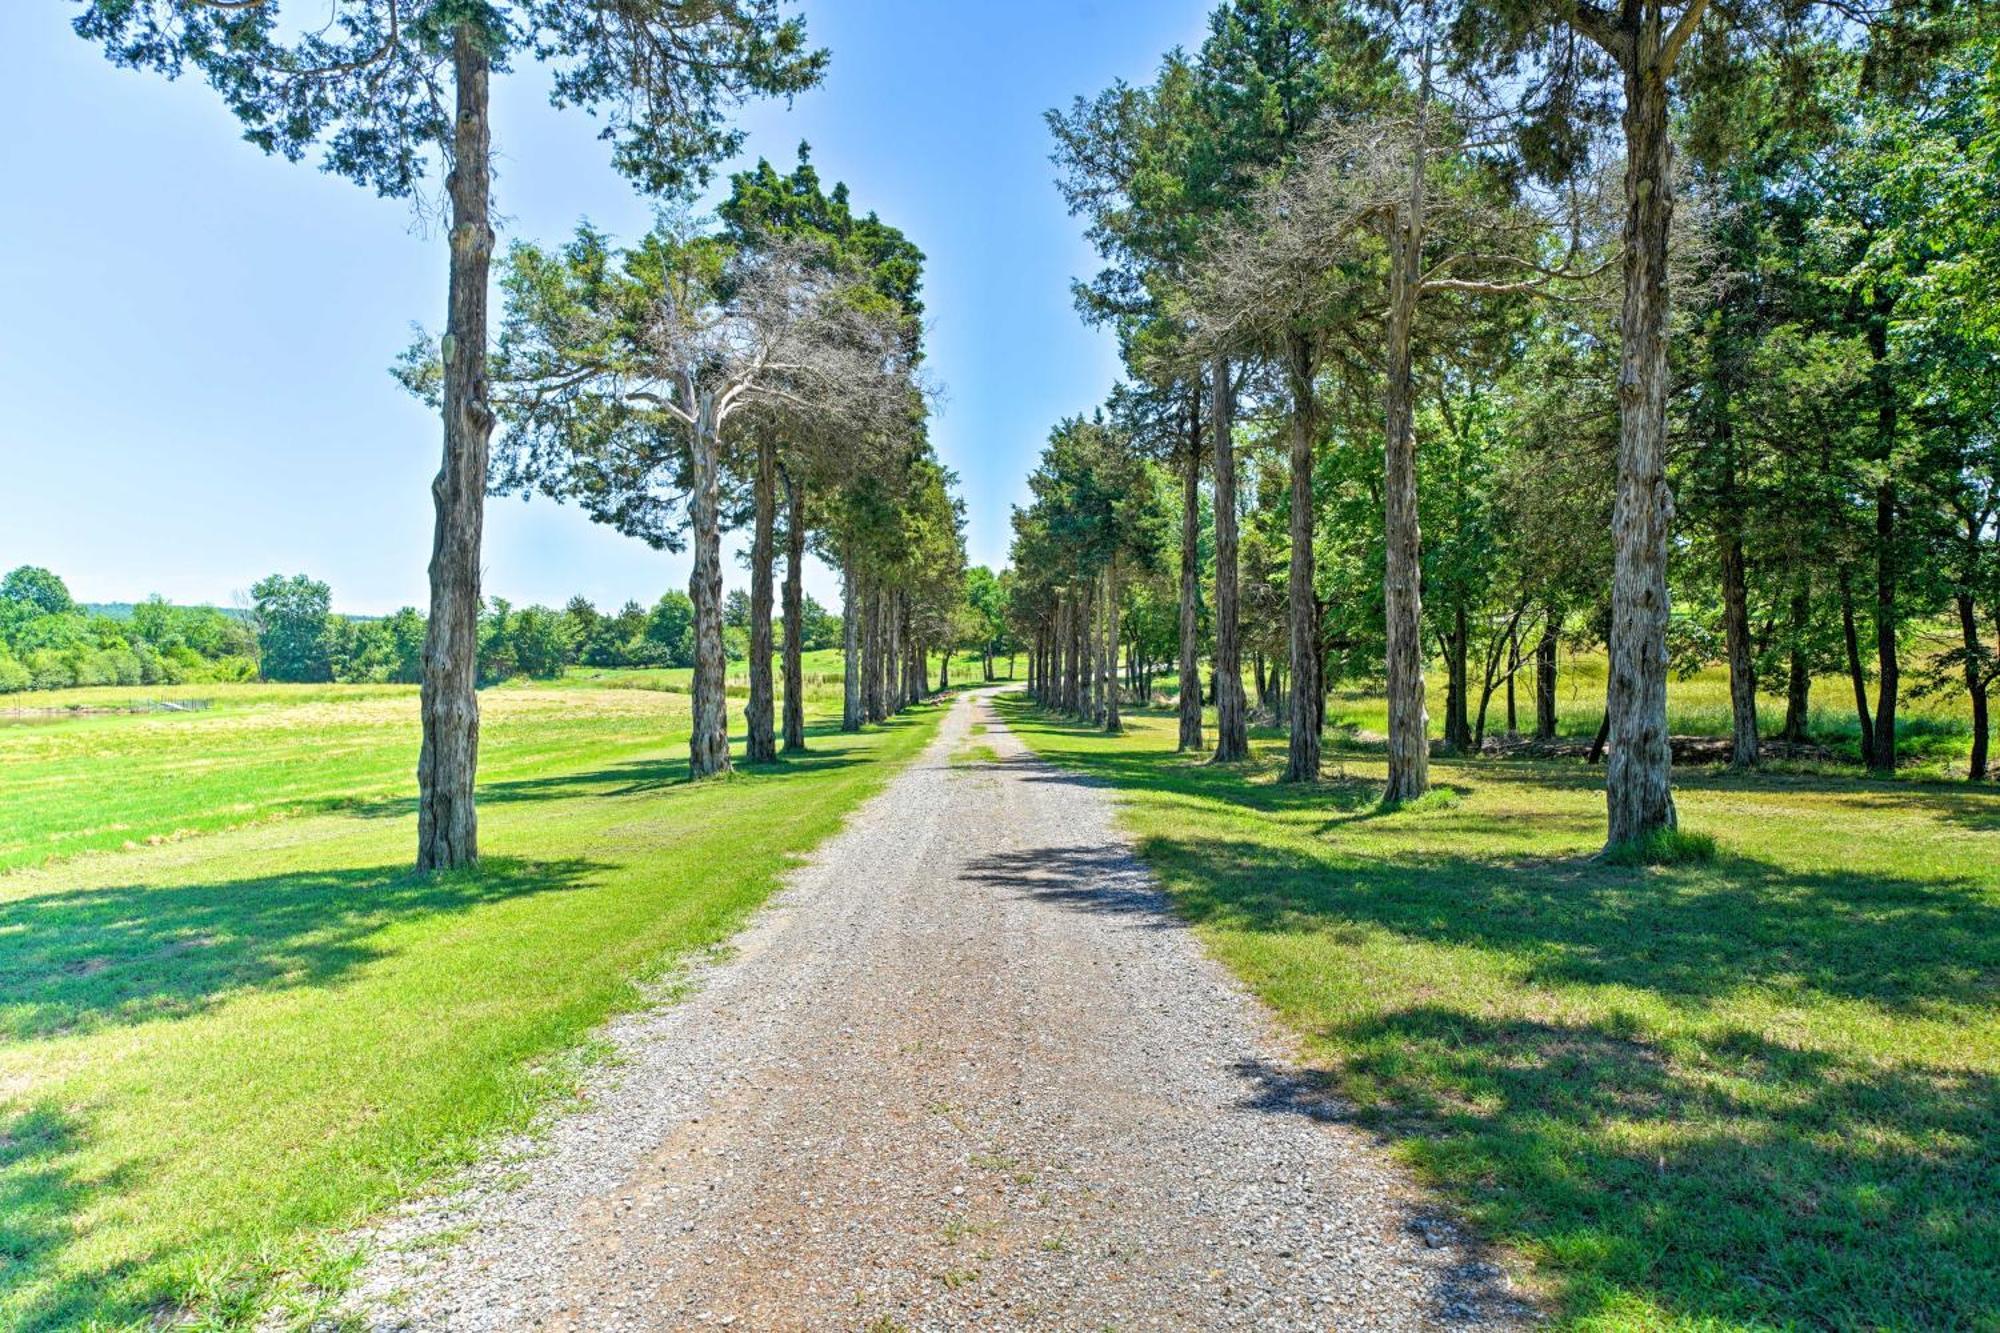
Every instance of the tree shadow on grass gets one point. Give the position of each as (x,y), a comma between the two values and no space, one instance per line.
(43,1192)
(78,960)
(1723,1181)
(633,777)
(1719,1175)
(1705,1171)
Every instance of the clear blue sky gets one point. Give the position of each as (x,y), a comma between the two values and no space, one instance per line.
(193,336)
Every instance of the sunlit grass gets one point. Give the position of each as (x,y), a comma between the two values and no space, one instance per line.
(217,1052)
(1755,1091)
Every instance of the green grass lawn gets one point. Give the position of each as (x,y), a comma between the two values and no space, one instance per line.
(1757,1093)
(218,1050)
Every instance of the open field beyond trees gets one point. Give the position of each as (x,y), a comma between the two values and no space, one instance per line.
(233,1020)
(1761,1092)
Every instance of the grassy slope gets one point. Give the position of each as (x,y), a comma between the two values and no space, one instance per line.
(213,1051)
(1759,1093)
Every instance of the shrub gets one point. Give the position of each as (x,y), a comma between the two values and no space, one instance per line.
(49,670)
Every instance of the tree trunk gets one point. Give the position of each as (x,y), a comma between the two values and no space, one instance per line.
(1320,678)
(1513,670)
(1457,651)
(1888,673)
(871,653)
(1190,662)
(1113,724)
(893,661)
(1545,675)
(1232,732)
(850,648)
(1638,778)
(1975,681)
(1303,752)
(1065,650)
(1490,678)
(447,823)
(1742,662)
(1852,641)
(1798,683)
(708,743)
(1093,651)
(1402,596)
(759,709)
(795,614)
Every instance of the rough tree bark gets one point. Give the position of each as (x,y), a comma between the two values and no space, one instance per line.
(1402,597)
(1112,723)
(1303,753)
(708,743)
(447,823)
(759,709)
(870,645)
(1065,662)
(1086,632)
(1638,775)
(795,615)
(850,648)
(1232,731)
(889,691)
(1190,663)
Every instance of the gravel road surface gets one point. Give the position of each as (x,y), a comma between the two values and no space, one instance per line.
(965,1071)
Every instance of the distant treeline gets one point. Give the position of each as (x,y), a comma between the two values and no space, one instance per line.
(291,633)
(48,642)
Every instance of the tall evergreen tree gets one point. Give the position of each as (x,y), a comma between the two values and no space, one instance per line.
(391,90)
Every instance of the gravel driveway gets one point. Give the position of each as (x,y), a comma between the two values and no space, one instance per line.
(965,1072)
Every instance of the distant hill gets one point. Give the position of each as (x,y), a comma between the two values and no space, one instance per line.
(123,610)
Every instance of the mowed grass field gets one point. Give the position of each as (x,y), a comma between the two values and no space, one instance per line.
(233,1022)
(1758,1093)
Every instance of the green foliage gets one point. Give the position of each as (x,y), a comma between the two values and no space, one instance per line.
(293,638)
(820,628)
(763,204)
(670,629)
(48,642)
(360,80)
(37,589)
(542,645)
